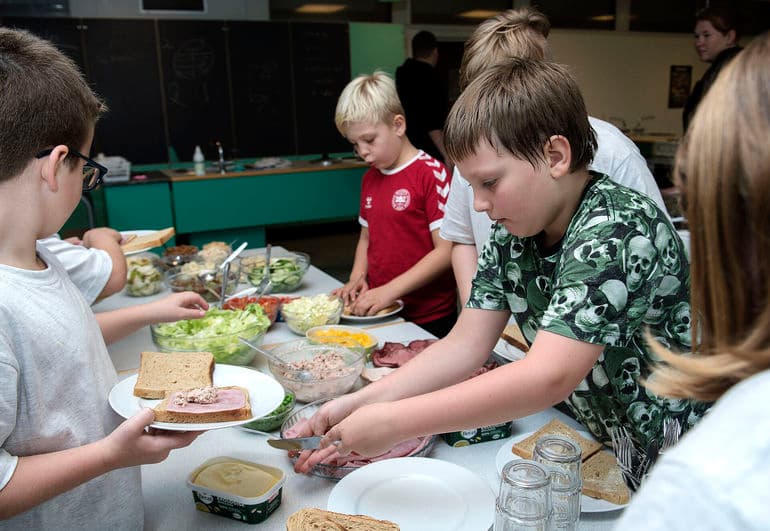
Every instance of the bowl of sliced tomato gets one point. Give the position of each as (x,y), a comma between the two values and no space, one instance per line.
(269,303)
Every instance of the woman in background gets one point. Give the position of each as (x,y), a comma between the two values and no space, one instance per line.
(717,477)
(716,41)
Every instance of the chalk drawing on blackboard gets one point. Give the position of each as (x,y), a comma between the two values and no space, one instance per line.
(194,59)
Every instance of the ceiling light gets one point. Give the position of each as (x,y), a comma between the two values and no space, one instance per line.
(603,18)
(479,13)
(320,9)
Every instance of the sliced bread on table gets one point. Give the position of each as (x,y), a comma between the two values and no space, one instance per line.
(513,335)
(603,479)
(526,447)
(221,404)
(312,519)
(153,239)
(160,372)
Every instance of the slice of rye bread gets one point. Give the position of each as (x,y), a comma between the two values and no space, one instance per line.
(165,371)
(603,479)
(513,335)
(164,415)
(312,519)
(525,447)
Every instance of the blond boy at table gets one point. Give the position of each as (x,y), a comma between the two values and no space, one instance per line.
(591,264)
(399,254)
(66,462)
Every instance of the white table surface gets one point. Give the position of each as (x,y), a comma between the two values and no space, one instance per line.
(167,499)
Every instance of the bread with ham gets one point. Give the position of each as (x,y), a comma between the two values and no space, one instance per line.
(204,404)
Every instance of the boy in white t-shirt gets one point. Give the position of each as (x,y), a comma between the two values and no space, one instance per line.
(66,461)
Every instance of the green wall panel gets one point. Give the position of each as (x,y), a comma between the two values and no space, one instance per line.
(139,206)
(376,47)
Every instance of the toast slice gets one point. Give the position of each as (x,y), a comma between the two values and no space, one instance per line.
(603,479)
(160,372)
(526,447)
(513,335)
(154,239)
(312,519)
(218,411)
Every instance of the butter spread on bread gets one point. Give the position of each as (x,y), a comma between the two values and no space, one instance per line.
(525,447)
(312,519)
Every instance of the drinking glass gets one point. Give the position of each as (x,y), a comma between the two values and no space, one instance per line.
(562,456)
(524,500)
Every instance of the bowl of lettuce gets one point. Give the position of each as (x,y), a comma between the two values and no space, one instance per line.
(216,332)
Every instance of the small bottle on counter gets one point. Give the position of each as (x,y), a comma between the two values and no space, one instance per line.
(200,161)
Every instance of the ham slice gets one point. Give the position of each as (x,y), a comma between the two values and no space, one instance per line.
(397,354)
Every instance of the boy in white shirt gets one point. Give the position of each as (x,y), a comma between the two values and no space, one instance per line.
(65,459)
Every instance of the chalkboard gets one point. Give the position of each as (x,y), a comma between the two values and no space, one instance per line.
(194,66)
(63,32)
(123,69)
(261,88)
(321,63)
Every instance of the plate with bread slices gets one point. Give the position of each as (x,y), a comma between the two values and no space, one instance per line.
(389,311)
(603,486)
(417,494)
(189,392)
(139,241)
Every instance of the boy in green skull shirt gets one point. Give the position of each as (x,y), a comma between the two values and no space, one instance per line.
(586,265)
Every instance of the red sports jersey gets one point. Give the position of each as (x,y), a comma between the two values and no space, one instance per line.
(400,208)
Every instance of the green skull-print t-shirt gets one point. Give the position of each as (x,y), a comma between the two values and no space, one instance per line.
(619,270)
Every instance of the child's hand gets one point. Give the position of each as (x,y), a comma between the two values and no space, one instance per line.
(352,290)
(105,235)
(372,301)
(131,445)
(178,306)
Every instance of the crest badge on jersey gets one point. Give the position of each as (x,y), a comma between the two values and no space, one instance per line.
(401,199)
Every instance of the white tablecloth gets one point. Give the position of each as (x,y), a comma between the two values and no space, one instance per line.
(167,499)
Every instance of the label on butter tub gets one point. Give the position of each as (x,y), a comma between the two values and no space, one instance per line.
(479,435)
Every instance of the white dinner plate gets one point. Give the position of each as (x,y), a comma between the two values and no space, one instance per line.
(368,318)
(587,503)
(265,394)
(417,493)
(141,232)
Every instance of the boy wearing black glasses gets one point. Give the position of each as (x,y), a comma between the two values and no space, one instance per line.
(65,459)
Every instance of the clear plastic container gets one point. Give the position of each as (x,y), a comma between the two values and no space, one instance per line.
(144,276)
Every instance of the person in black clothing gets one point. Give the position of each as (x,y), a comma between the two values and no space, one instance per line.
(716,41)
(420,93)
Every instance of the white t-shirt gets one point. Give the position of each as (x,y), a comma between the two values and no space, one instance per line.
(718,476)
(89,269)
(56,376)
(616,156)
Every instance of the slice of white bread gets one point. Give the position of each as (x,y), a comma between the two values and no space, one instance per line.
(513,335)
(312,519)
(154,239)
(525,447)
(603,479)
(165,371)
(164,415)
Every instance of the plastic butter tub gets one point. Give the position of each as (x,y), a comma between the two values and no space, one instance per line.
(479,435)
(237,489)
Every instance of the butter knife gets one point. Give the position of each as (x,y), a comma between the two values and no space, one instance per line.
(300,443)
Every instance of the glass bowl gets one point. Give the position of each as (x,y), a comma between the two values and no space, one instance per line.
(334,370)
(275,419)
(209,286)
(343,336)
(201,335)
(420,447)
(143,275)
(287,268)
(304,313)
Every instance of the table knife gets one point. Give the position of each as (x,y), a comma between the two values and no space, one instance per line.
(300,443)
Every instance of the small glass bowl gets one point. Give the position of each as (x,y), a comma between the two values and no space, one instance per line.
(275,419)
(143,276)
(300,322)
(337,472)
(287,269)
(327,381)
(208,286)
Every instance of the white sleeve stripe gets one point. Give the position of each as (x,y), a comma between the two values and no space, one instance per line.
(362,222)
(435,225)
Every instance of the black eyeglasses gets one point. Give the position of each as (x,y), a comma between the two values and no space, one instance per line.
(93,172)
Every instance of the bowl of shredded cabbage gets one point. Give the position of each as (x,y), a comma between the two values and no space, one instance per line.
(216,332)
(303,313)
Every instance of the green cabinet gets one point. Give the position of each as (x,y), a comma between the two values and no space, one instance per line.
(139,206)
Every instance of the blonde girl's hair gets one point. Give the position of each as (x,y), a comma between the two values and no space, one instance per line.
(724,167)
(518,106)
(369,98)
(513,33)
